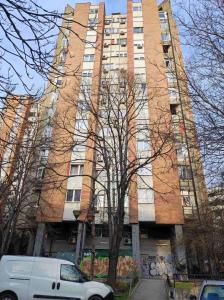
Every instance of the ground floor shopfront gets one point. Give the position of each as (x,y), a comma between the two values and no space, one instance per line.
(147,248)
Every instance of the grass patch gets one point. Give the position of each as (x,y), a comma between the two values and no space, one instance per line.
(183,285)
(122,296)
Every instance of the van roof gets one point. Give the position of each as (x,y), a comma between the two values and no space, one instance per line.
(33,258)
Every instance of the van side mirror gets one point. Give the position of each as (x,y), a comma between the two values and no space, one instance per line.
(193,297)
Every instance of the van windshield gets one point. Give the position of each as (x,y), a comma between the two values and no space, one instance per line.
(71,273)
(213,292)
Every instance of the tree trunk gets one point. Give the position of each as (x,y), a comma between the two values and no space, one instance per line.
(115,241)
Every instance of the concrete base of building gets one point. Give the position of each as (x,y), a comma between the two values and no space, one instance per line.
(153,249)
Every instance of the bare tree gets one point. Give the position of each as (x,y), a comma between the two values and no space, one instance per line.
(205,240)
(27,45)
(121,142)
(202,28)
(19,171)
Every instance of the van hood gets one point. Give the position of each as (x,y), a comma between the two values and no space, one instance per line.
(98,285)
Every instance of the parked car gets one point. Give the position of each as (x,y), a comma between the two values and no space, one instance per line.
(210,290)
(27,278)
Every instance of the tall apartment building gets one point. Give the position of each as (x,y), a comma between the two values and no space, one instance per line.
(18,123)
(144,42)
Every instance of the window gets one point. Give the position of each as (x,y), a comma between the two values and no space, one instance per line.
(213,292)
(89,57)
(69,273)
(164,26)
(93,11)
(163,15)
(137,8)
(122,54)
(32,114)
(143,87)
(184,172)
(92,22)
(173,109)
(122,42)
(76,169)
(59,81)
(108,21)
(87,73)
(186,200)
(138,29)
(44,154)
(169,63)
(165,37)
(73,195)
(65,43)
(145,196)
(79,148)
(40,173)
(166,49)
(62,57)
(181,151)
(171,77)
(145,171)
(143,145)
(139,57)
(122,20)
(173,92)
(139,45)
(81,125)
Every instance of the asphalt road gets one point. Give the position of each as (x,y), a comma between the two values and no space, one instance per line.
(150,289)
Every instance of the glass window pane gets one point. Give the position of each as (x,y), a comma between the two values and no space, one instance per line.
(77,195)
(81,169)
(213,292)
(74,170)
(69,196)
(69,273)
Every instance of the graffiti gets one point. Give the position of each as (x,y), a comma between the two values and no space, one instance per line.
(156,266)
(125,267)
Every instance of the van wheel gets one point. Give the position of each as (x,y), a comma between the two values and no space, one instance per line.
(8,296)
(96,297)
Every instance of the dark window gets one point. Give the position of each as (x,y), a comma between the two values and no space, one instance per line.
(69,273)
(121,41)
(69,196)
(173,109)
(77,195)
(166,48)
(93,11)
(138,29)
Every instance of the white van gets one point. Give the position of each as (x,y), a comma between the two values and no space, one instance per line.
(27,278)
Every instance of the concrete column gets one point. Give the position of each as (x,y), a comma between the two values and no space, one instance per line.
(83,237)
(136,246)
(39,239)
(180,251)
(81,229)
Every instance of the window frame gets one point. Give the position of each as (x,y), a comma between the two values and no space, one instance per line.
(73,195)
(80,168)
(91,58)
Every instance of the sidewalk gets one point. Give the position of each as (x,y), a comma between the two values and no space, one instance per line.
(150,289)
